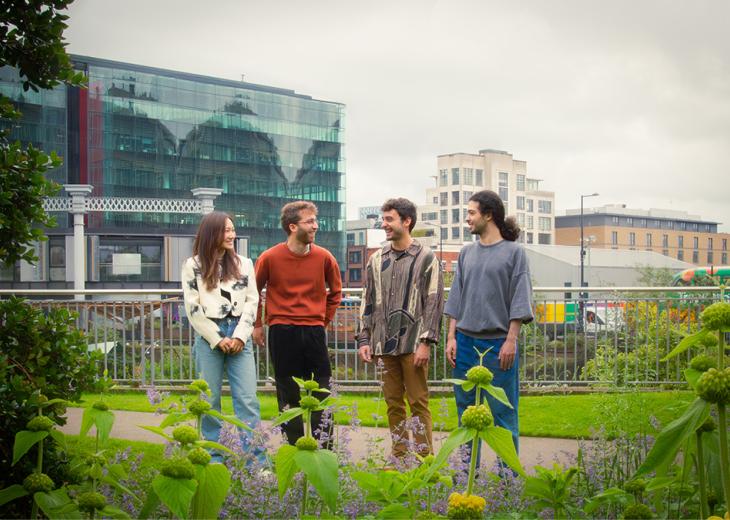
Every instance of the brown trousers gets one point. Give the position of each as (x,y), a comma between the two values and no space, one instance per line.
(401,378)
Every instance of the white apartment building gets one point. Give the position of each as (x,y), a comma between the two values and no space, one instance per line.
(462,174)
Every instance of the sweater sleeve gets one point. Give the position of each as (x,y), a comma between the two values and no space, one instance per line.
(334,282)
(250,305)
(520,290)
(262,278)
(191,297)
(453,303)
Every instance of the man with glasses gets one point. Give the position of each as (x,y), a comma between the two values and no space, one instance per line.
(296,275)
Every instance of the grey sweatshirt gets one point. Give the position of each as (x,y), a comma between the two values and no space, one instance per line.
(491,287)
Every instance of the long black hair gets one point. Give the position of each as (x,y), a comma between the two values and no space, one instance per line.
(491,204)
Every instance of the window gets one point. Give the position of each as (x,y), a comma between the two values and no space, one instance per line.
(709,257)
(479,177)
(455,216)
(682,225)
(467,234)
(464,213)
(724,244)
(665,240)
(695,242)
(455,233)
(544,206)
(57,259)
(521,219)
(130,260)
(465,196)
(444,217)
(632,239)
(444,233)
(354,257)
(724,259)
(695,257)
(680,241)
(520,182)
(520,202)
(642,222)
(648,239)
(454,198)
(530,206)
(351,239)
(544,223)
(529,238)
(504,185)
(435,200)
(709,244)
(614,238)
(680,254)
(530,222)
(355,275)
(455,176)
(543,238)
(629,221)
(468,175)
(614,220)
(443,177)
(444,198)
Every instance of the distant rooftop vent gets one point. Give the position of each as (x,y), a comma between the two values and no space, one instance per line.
(490,150)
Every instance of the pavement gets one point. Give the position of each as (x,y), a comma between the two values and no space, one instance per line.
(533,450)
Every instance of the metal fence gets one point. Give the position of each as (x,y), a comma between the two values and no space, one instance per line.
(603,336)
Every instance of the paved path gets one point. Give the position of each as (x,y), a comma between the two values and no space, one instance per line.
(533,450)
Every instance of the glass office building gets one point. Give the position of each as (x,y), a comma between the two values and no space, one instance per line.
(142,132)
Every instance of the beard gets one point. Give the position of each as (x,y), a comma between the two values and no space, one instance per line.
(304,237)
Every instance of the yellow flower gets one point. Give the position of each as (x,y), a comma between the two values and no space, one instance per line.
(465,506)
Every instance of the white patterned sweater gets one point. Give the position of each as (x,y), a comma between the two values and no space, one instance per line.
(202,304)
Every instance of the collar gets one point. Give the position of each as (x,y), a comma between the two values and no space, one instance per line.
(412,250)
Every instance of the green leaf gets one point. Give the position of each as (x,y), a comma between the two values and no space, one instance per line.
(175,493)
(102,419)
(287,415)
(299,381)
(51,402)
(671,438)
(455,439)
(150,505)
(159,431)
(11,493)
(59,437)
(212,445)
(230,419)
(498,393)
(174,418)
(659,483)
(609,496)
(25,440)
(396,511)
(51,503)
(285,467)
(692,376)
(500,440)
(320,466)
(114,512)
(213,483)
(688,341)
(457,382)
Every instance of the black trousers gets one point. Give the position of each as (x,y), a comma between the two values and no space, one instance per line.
(300,351)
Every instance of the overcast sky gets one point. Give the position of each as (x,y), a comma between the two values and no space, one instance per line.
(630,99)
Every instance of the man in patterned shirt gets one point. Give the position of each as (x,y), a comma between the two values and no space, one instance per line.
(400,321)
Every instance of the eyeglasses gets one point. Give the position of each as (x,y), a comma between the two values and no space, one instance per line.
(309,222)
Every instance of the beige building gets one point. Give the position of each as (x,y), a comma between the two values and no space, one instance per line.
(462,174)
(676,234)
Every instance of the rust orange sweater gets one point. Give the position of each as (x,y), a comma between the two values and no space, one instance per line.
(296,286)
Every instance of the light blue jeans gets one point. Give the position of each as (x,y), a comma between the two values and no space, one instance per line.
(508,380)
(241,372)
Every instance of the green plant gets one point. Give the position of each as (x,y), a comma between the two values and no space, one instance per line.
(550,489)
(319,466)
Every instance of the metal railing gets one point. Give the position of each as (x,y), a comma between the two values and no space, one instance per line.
(603,335)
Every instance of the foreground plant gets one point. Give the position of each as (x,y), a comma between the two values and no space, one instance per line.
(319,466)
(711,382)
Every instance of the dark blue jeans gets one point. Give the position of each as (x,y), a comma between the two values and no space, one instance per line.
(508,380)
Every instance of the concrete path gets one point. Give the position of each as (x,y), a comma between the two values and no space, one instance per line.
(533,450)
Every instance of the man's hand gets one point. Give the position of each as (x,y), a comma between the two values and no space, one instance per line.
(423,353)
(236,346)
(451,351)
(365,353)
(507,354)
(258,337)
(224,345)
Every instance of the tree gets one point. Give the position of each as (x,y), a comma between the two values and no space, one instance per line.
(31,41)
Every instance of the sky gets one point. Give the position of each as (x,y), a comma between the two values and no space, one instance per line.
(629,99)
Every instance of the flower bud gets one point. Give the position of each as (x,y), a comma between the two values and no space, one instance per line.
(309,402)
(707,426)
(716,316)
(91,501)
(703,363)
(477,417)
(465,506)
(36,482)
(185,434)
(40,423)
(479,375)
(178,467)
(635,487)
(100,405)
(714,386)
(311,385)
(199,456)
(201,385)
(306,444)
(637,512)
(199,407)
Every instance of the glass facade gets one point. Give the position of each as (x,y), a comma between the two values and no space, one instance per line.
(151,133)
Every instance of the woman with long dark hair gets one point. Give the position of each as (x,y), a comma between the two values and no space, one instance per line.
(219,289)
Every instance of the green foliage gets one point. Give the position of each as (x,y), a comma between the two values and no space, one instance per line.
(478,417)
(716,317)
(550,489)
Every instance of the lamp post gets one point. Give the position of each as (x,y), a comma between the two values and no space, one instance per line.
(581,294)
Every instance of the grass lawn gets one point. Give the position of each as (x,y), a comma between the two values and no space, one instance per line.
(570,416)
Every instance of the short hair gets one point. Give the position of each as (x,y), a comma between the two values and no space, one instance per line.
(290,213)
(405,209)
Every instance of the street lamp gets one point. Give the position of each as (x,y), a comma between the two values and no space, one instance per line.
(581,294)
